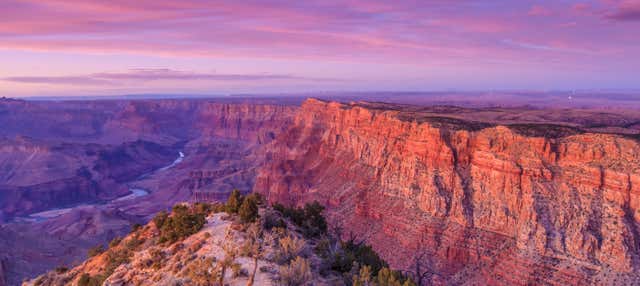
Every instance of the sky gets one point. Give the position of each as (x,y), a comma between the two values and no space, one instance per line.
(88,47)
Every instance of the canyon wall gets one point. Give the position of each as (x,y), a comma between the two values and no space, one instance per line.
(83,155)
(487,204)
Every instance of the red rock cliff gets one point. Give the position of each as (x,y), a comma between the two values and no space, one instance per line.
(490,206)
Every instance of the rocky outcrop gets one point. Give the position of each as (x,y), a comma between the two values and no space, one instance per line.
(483,201)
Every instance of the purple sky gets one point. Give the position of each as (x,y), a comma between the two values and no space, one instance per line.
(85,47)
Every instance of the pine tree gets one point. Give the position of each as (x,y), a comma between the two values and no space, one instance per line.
(248,210)
(234,202)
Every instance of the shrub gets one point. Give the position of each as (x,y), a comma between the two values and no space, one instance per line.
(359,253)
(114,242)
(133,242)
(201,272)
(204,208)
(135,227)
(364,277)
(96,250)
(258,198)
(388,277)
(297,273)
(272,220)
(248,210)
(309,218)
(289,247)
(160,219)
(181,224)
(234,202)
(88,280)
(61,269)
(115,259)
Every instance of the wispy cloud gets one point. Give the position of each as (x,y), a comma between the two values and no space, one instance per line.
(626,11)
(538,10)
(548,48)
(145,75)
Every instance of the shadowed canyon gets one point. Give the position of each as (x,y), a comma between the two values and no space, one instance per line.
(507,194)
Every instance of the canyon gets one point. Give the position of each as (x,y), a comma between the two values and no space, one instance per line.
(481,191)
(555,202)
(70,169)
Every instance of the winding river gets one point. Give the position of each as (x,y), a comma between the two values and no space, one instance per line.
(135,192)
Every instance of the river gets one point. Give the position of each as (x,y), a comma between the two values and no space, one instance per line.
(135,192)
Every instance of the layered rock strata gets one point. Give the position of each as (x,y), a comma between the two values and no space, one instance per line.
(483,201)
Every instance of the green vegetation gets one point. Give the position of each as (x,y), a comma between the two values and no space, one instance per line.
(135,227)
(96,250)
(234,201)
(61,269)
(385,277)
(388,277)
(309,219)
(248,210)
(354,262)
(288,248)
(88,280)
(359,253)
(545,130)
(115,241)
(182,223)
(297,273)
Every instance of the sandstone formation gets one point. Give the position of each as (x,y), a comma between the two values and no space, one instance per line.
(489,204)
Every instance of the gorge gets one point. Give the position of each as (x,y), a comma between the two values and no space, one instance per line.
(481,191)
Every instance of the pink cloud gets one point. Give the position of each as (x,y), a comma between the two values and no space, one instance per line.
(628,10)
(430,33)
(538,10)
(145,75)
(581,8)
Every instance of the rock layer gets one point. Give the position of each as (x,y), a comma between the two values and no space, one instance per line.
(481,201)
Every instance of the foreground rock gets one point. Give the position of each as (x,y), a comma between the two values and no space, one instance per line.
(227,249)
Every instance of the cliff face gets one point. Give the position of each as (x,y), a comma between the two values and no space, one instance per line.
(487,204)
(186,119)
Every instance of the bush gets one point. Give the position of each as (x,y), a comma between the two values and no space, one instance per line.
(388,277)
(160,219)
(271,220)
(87,280)
(115,259)
(181,224)
(96,250)
(234,202)
(61,269)
(114,242)
(309,218)
(258,198)
(133,242)
(288,248)
(248,210)
(297,273)
(363,278)
(357,253)
(201,272)
(135,227)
